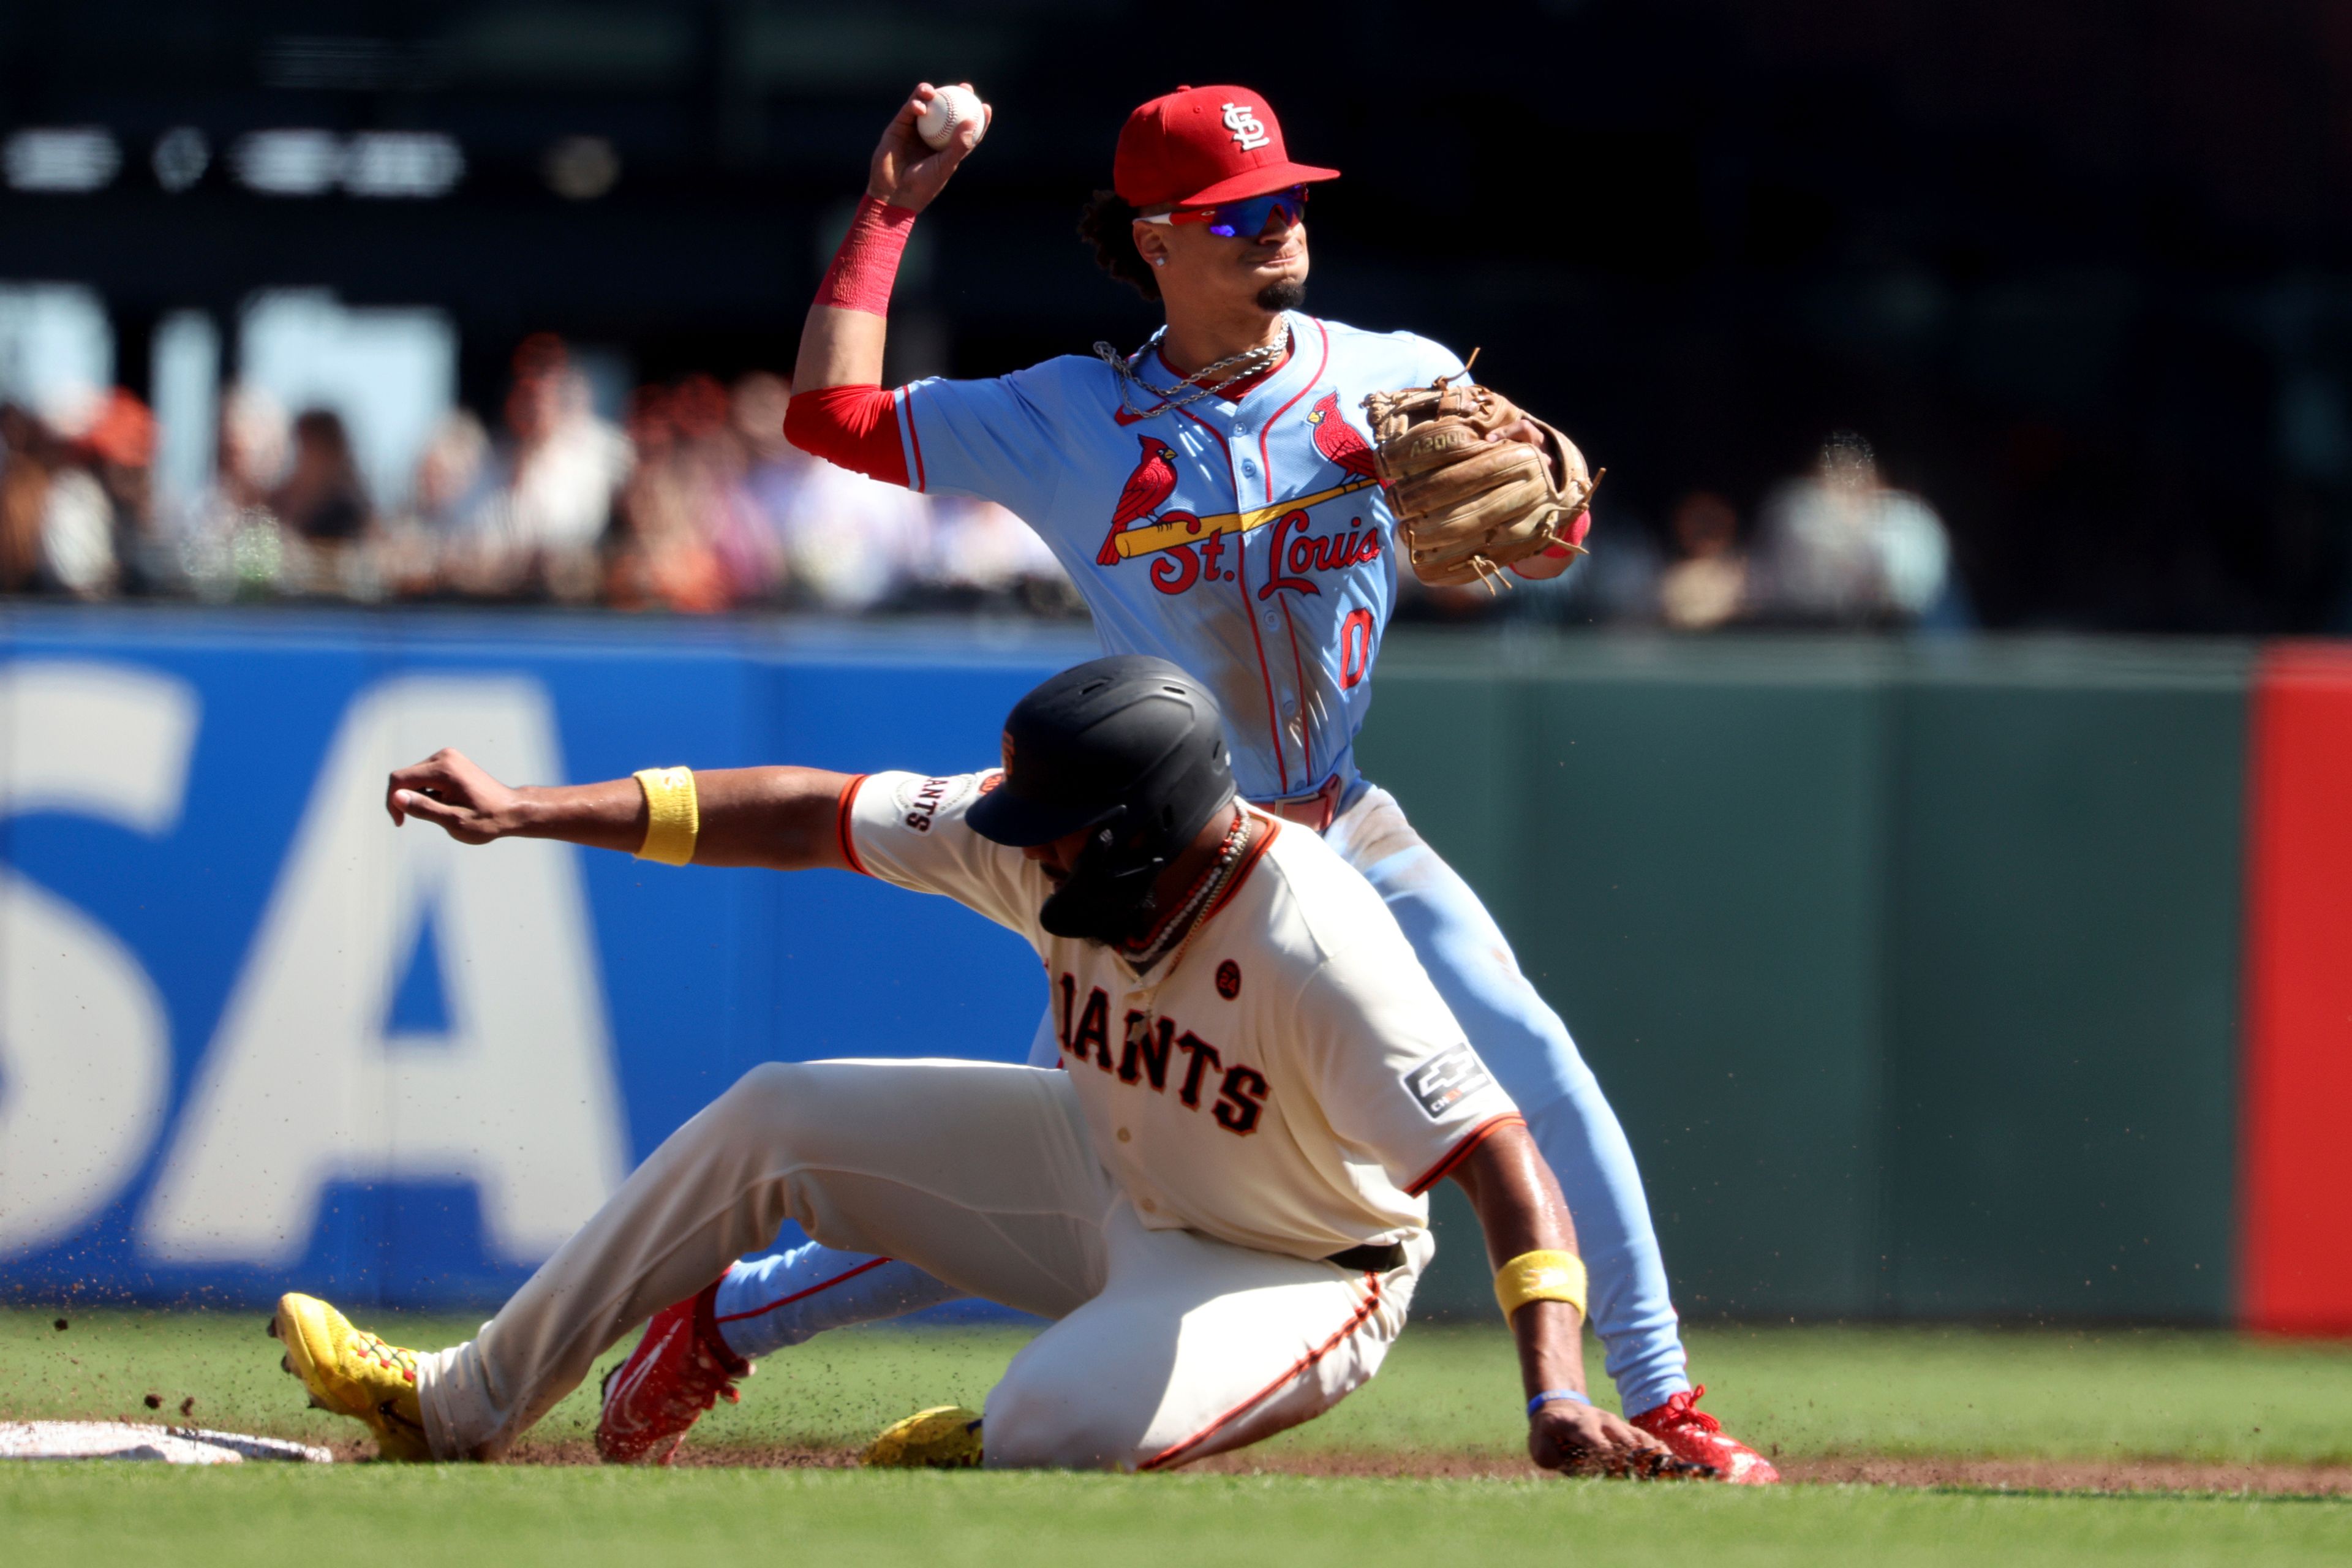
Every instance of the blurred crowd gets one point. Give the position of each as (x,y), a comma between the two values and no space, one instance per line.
(1836,546)
(695,503)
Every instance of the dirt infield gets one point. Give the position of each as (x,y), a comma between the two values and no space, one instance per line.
(1857,1469)
(2078,1475)
(1995,1475)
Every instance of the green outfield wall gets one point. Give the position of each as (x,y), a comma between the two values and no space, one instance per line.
(1913,969)
(1986,978)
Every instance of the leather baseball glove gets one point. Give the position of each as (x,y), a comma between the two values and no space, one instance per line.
(1467,507)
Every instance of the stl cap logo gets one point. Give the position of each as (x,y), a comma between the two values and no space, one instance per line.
(1242,120)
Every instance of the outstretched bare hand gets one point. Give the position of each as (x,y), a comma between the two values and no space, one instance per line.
(450,791)
(1580,1440)
(909,173)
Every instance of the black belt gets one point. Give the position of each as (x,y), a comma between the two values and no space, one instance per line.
(1369,1259)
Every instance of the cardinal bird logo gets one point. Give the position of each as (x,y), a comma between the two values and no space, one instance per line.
(1147,489)
(1337,440)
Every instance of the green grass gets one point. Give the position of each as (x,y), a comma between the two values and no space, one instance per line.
(1809,1391)
(514,1518)
(2144,1393)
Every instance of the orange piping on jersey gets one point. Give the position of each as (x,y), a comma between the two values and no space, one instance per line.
(1174,1455)
(841,825)
(1460,1152)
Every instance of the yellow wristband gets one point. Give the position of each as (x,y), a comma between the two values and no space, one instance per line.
(1541,1277)
(673,816)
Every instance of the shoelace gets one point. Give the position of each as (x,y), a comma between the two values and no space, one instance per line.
(1687,1413)
(390,1357)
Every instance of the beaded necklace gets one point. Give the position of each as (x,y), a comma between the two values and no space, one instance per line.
(1176,932)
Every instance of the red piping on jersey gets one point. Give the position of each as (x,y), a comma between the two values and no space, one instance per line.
(1364,1310)
(913,438)
(1306,728)
(854,428)
(1233,392)
(841,825)
(801,1295)
(1266,676)
(1241,576)
(1266,462)
(1460,1152)
(1306,725)
(1222,445)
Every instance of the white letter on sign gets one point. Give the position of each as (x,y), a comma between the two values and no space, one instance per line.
(84,1045)
(303,1085)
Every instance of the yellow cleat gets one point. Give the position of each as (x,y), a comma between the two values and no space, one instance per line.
(354,1373)
(944,1438)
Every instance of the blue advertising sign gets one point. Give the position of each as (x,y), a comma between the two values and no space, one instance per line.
(252,1036)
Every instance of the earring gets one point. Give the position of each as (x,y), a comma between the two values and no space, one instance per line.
(1159,261)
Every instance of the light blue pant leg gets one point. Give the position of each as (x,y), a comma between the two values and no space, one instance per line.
(1527,1048)
(767,1304)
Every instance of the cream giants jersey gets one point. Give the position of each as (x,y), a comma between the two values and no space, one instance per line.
(1291,1082)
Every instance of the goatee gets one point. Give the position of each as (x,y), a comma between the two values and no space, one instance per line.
(1283,294)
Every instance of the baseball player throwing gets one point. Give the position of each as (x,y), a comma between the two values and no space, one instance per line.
(1217,505)
(1220,1202)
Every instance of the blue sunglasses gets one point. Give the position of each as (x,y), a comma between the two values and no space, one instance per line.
(1246,217)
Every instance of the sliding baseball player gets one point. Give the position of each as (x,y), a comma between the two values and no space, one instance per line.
(1217,503)
(1220,1202)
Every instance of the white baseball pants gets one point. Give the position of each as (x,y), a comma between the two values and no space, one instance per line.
(771,1302)
(1167,1346)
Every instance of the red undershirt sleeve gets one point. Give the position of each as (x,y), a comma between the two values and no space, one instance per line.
(854,428)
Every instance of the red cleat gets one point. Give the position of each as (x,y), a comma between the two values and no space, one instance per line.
(1695,1436)
(679,1368)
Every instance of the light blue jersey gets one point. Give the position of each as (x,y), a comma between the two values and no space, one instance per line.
(1247,542)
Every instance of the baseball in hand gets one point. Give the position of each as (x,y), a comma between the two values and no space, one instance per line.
(950,108)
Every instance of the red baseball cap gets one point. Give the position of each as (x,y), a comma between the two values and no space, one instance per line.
(1199,145)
